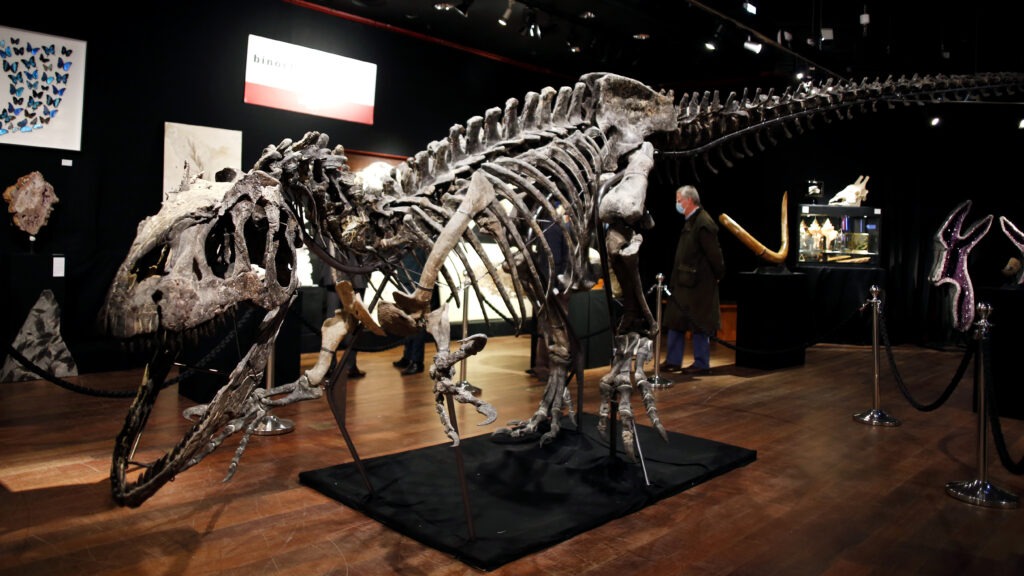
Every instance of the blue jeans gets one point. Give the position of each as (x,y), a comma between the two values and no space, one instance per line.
(676,346)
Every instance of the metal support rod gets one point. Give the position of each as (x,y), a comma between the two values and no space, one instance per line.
(632,424)
(461,467)
(980,491)
(657,381)
(463,383)
(876,416)
(271,425)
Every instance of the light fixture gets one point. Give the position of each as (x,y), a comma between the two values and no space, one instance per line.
(712,44)
(749,7)
(460,8)
(530,27)
(865,19)
(935,121)
(1021,125)
(573,43)
(827,34)
(506,16)
(754,47)
(641,36)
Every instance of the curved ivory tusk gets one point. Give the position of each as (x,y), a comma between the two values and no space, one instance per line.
(750,242)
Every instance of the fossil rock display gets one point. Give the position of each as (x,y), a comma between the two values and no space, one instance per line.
(31,201)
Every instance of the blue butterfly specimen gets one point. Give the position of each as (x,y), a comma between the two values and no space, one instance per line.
(11,109)
(52,101)
(5,116)
(15,78)
(49,113)
(19,51)
(65,51)
(49,49)
(33,103)
(30,62)
(17,91)
(31,50)
(47,78)
(23,126)
(57,92)
(37,93)
(65,66)
(62,78)
(8,67)
(33,74)
(21,100)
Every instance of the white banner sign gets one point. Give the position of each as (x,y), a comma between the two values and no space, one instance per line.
(289,77)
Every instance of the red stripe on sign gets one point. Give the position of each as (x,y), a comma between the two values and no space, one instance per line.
(286,100)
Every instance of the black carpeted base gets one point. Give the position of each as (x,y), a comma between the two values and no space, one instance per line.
(523,497)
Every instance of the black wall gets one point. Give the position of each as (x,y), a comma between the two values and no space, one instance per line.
(186,64)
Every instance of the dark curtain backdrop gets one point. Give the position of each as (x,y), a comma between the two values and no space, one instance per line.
(185,64)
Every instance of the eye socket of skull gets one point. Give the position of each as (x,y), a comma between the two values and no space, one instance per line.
(152,263)
(220,247)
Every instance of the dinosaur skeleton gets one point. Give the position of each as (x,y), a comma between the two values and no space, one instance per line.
(587,149)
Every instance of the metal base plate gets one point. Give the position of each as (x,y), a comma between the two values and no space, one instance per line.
(272,426)
(659,382)
(982,493)
(876,417)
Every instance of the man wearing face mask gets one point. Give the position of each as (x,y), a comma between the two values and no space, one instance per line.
(693,305)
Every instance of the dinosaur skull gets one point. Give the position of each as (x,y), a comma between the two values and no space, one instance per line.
(211,247)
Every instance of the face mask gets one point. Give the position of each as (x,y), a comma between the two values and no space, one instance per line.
(679,207)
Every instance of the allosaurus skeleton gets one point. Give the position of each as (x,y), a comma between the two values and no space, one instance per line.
(586,150)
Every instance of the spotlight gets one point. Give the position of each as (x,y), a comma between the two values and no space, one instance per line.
(749,7)
(460,8)
(935,121)
(507,15)
(754,47)
(1021,125)
(531,28)
(712,44)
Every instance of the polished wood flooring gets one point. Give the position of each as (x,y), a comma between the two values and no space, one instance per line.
(826,495)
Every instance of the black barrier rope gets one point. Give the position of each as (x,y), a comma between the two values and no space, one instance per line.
(960,371)
(802,346)
(994,422)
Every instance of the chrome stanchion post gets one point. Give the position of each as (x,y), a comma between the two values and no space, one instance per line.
(271,425)
(876,416)
(657,381)
(980,491)
(463,383)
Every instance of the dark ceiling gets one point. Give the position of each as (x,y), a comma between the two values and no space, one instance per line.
(900,37)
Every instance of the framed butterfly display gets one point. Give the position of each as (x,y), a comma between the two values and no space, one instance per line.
(45,77)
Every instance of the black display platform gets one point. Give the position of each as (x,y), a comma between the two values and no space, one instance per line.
(771,320)
(523,497)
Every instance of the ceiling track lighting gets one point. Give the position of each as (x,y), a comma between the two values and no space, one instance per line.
(712,44)
(460,8)
(531,28)
(506,16)
(754,47)
(750,8)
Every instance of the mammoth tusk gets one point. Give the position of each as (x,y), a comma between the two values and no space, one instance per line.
(750,242)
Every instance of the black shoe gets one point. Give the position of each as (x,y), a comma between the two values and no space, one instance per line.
(402,363)
(693,370)
(355,372)
(412,368)
(666,367)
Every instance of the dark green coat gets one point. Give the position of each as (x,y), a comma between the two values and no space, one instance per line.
(697,268)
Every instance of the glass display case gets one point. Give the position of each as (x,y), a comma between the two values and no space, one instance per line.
(839,235)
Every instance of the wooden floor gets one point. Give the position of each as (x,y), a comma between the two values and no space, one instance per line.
(826,495)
